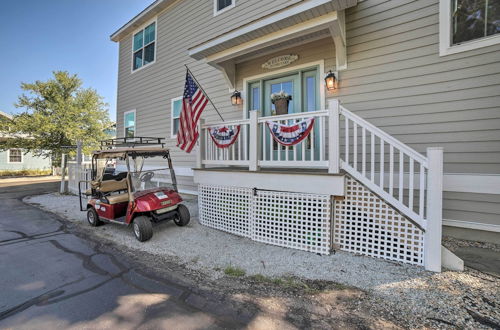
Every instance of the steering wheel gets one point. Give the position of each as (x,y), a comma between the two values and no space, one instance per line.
(146,176)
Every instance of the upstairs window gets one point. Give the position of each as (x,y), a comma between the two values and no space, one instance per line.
(175,115)
(15,156)
(468,24)
(221,6)
(129,123)
(144,43)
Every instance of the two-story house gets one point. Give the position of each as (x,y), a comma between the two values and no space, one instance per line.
(406,76)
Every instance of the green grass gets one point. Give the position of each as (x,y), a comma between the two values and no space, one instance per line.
(24,172)
(234,271)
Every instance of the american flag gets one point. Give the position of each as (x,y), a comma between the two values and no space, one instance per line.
(193,103)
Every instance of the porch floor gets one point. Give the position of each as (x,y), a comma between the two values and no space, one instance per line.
(277,170)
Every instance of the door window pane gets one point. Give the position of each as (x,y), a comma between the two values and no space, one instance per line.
(129,123)
(255,100)
(287,87)
(310,94)
(475,19)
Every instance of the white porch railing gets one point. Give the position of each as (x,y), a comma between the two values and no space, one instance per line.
(404,178)
(256,148)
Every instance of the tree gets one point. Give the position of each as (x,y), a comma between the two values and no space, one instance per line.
(58,112)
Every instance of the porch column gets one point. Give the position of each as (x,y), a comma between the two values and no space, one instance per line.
(433,231)
(254,142)
(333,136)
(200,154)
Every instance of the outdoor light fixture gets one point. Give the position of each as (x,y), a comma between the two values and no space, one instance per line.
(331,81)
(236,98)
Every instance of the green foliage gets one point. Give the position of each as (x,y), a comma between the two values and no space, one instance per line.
(25,172)
(234,271)
(58,112)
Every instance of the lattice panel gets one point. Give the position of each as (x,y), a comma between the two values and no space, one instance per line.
(226,208)
(293,220)
(367,225)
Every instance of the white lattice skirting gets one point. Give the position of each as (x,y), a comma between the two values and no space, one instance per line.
(363,223)
(294,220)
(367,225)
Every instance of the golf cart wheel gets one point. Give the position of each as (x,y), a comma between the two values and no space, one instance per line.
(143,228)
(183,216)
(93,218)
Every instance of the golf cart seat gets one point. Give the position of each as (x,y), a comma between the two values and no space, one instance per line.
(119,198)
(108,186)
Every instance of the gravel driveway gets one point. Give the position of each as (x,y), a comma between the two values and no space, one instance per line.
(408,294)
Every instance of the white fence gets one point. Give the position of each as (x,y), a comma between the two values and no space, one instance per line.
(77,173)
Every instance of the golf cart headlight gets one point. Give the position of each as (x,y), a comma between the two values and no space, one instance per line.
(166,209)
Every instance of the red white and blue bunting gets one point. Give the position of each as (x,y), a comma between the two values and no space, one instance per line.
(224,136)
(289,135)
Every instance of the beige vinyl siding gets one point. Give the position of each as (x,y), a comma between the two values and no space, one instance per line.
(397,80)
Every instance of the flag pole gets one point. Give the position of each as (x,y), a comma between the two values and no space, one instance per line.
(204,93)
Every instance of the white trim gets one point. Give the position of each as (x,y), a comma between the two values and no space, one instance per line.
(280,181)
(135,122)
(294,10)
(188,192)
(223,10)
(471,225)
(445,46)
(179,98)
(321,73)
(8,156)
(472,183)
(142,27)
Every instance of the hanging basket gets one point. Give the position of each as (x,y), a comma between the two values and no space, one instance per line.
(281,106)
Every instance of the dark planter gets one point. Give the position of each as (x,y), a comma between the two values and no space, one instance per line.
(281,106)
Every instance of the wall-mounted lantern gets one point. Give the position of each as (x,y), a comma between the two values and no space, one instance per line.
(236,98)
(331,81)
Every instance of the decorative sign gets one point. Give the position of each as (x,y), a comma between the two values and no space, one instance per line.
(279,61)
(224,136)
(289,135)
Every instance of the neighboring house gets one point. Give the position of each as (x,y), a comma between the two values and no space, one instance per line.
(17,159)
(421,71)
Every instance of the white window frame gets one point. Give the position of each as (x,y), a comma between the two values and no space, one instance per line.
(172,135)
(154,20)
(217,12)
(445,45)
(8,156)
(125,123)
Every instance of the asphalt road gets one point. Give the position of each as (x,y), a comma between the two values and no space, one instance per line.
(52,278)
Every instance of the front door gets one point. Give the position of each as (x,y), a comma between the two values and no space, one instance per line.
(303,86)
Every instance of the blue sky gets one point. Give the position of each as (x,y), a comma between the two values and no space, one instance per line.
(38,37)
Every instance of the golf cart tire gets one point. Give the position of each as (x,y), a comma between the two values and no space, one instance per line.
(183,216)
(143,228)
(92,214)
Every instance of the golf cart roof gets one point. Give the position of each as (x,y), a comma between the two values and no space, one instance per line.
(129,151)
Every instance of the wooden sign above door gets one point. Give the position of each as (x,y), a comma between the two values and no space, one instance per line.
(279,61)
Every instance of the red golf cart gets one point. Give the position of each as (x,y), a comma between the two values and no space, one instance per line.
(133,183)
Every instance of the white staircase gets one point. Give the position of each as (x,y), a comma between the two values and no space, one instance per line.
(389,205)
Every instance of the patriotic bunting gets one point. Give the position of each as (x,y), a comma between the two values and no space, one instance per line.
(289,135)
(224,136)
